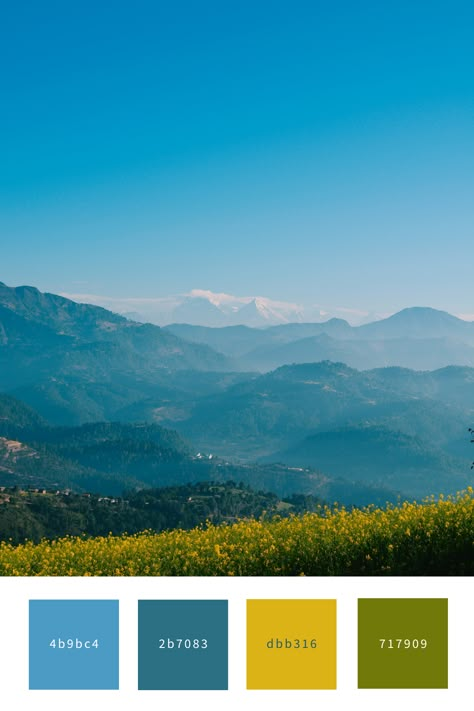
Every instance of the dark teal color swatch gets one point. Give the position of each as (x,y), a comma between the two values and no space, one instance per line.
(182,644)
(74,644)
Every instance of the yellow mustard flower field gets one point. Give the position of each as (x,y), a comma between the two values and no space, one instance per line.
(435,537)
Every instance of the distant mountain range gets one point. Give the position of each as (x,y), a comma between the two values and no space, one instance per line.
(202,307)
(417,338)
(314,404)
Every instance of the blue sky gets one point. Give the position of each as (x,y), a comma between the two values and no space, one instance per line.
(313,152)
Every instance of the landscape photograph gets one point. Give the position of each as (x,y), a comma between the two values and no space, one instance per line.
(236,301)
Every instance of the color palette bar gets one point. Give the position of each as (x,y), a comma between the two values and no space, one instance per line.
(290,643)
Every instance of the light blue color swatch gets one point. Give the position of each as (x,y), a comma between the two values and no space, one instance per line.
(74,644)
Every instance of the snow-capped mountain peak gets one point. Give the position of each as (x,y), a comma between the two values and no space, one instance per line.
(203,307)
(245,310)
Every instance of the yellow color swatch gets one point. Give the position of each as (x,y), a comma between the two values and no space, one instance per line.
(291,644)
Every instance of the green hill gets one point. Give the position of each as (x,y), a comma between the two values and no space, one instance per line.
(36,514)
(45,336)
(381,457)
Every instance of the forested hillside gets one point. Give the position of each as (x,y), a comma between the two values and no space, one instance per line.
(36,514)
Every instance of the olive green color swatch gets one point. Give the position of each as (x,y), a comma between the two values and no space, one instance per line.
(403,643)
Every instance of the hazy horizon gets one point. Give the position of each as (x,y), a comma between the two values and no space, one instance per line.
(160,310)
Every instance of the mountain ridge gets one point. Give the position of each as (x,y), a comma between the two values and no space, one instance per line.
(40,333)
(419,338)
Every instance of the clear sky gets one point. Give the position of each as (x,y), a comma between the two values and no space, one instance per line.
(315,152)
